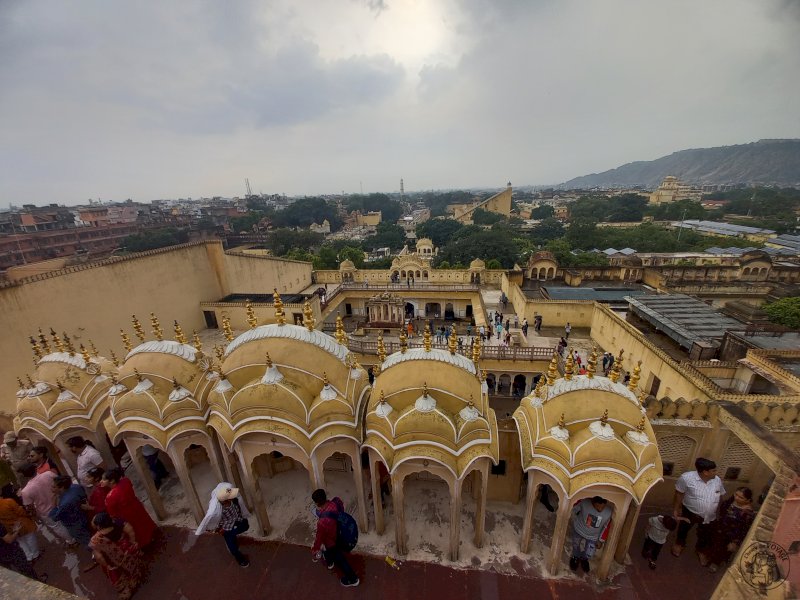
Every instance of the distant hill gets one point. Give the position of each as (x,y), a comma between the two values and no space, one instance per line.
(768,162)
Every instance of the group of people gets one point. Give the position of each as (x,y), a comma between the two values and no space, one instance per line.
(99,512)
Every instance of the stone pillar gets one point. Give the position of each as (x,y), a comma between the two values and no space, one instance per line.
(559,535)
(358,479)
(377,505)
(215,460)
(530,504)
(399,515)
(613,540)
(253,490)
(627,532)
(188,486)
(101,444)
(143,471)
(455,518)
(480,511)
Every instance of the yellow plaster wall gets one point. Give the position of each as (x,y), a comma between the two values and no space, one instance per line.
(260,274)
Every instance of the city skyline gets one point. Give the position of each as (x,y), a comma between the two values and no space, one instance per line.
(113,101)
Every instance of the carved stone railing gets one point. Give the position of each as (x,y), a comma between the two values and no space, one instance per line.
(487,352)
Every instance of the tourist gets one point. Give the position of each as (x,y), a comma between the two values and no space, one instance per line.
(537,323)
(469,330)
(122,503)
(70,499)
(7,475)
(697,497)
(12,556)
(157,469)
(114,548)
(15,518)
(499,329)
(88,457)
(525,327)
(507,339)
(97,499)
(734,518)
(16,452)
(590,518)
(562,344)
(605,363)
(567,329)
(39,456)
(610,363)
(325,542)
(228,516)
(516,322)
(655,536)
(507,326)
(38,498)
(410,329)
(482,331)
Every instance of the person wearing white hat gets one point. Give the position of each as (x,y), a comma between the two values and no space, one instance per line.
(228,516)
(15,452)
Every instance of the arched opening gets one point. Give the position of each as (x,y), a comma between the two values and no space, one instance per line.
(402,274)
(544,515)
(551,273)
(542,273)
(433,309)
(504,384)
(449,314)
(395,276)
(426,503)
(286,491)
(337,476)
(410,311)
(425,275)
(418,275)
(746,272)
(491,382)
(201,471)
(518,386)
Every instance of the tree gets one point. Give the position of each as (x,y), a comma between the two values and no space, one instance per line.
(305,211)
(387,235)
(326,258)
(582,233)
(391,210)
(493,263)
(548,229)
(356,255)
(157,238)
(785,311)
(543,211)
(486,245)
(674,211)
(485,217)
(281,241)
(300,254)
(438,230)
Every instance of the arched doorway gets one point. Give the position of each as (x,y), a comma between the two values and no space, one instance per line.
(449,314)
(337,478)
(433,309)
(518,386)
(286,491)
(504,384)
(426,504)
(410,310)
(491,382)
(201,471)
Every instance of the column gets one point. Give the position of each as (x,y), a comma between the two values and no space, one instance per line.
(101,444)
(186,481)
(480,512)
(377,505)
(627,532)
(530,503)
(358,479)
(455,518)
(251,485)
(612,541)
(143,472)
(399,514)
(215,460)
(559,535)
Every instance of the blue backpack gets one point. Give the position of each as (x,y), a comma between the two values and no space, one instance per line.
(346,527)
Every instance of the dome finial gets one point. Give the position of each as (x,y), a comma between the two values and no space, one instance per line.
(476,351)
(591,366)
(137,328)
(308,316)
(29,380)
(403,342)
(539,392)
(614,375)
(569,366)
(561,422)
(426,338)
(56,340)
(642,398)
(21,385)
(381,348)
(425,389)
(43,342)
(640,426)
(280,317)
(197,342)
(137,375)
(226,328)
(126,341)
(634,381)
(219,351)
(341,336)
(452,342)
(68,343)
(60,385)
(93,349)
(552,371)
(157,331)
(251,314)
(382,399)
(37,350)
(179,336)
(604,418)
(114,359)
(268,360)
(85,355)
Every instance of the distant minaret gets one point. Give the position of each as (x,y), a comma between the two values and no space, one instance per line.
(402,189)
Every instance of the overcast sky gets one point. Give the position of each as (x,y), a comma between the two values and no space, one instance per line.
(153,99)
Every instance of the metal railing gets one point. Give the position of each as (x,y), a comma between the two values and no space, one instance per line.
(487,352)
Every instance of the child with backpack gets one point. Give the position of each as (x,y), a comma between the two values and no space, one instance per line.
(337,533)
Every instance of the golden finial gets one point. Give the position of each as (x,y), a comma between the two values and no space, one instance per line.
(341,336)
(60,385)
(219,351)
(179,336)
(280,316)
(614,375)
(157,331)
(70,346)
(642,397)
(251,314)
(37,350)
(403,342)
(540,385)
(425,389)
(552,371)
(381,348)
(19,381)
(569,366)
(226,328)
(308,316)
(29,380)
(640,426)
(591,366)
(93,349)
(426,338)
(137,328)
(452,342)
(376,369)
(137,374)
(324,378)
(476,350)
(57,341)
(114,359)
(634,381)
(175,384)
(561,422)
(126,341)
(268,361)
(45,345)
(483,375)
(85,354)
(604,418)
(196,342)
(382,399)
(114,379)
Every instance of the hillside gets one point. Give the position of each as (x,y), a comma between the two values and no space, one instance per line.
(764,162)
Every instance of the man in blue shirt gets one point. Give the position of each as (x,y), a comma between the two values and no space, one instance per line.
(590,518)
(69,499)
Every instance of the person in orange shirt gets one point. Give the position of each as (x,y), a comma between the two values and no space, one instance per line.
(15,518)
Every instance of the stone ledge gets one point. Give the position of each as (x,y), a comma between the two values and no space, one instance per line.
(14,586)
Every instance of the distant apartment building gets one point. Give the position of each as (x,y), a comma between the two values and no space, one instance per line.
(369,219)
(714,228)
(672,189)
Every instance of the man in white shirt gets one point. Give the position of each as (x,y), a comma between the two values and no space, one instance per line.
(697,496)
(88,457)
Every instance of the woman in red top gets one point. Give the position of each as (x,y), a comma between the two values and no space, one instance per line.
(122,503)
(97,499)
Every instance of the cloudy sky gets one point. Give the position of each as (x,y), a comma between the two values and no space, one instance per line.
(152,99)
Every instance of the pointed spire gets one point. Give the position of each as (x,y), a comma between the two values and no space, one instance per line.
(69,345)
(197,342)
(426,338)
(179,335)
(137,328)
(341,336)
(604,418)
(476,350)
(126,341)
(219,351)
(561,422)
(308,316)
(57,341)
(381,348)
(280,316)
(60,385)
(226,328)
(29,380)
(325,378)
(569,365)
(268,361)
(425,389)
(137,374)
(634,381)
(382,399)
(43,342)
(157,331)
(175,384)
(452,342)
(640,426)
(540,387)
(37,350)
(614,375)
(85,354)
(403,342)
(114,359)
(591,367)
(251,314)
(642,398)
(552,371)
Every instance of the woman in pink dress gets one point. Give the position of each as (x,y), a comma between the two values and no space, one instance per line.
(122,503)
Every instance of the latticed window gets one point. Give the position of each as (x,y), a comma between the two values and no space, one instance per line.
(677,452)
(738,461)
